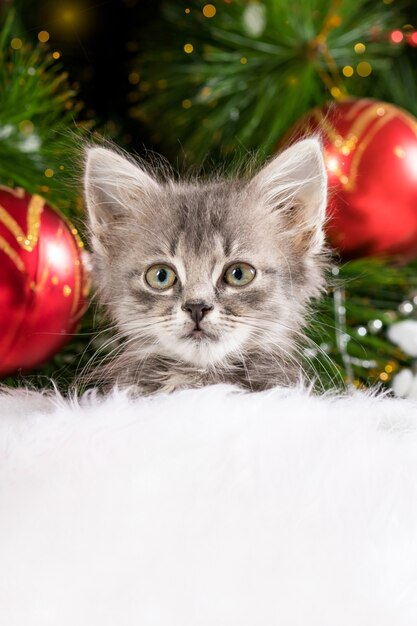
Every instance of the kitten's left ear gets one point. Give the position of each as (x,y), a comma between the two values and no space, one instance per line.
(294,185)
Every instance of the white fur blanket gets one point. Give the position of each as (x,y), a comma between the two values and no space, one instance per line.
(209,508)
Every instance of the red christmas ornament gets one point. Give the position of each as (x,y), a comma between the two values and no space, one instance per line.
(371,158)
(43,284)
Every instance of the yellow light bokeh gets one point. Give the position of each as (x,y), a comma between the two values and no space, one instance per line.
(348,71)
(335,91)
(43,36)
(186,104)
(68,16)
(209,10)
(134,78)
(145,86)
(364,69)
(334,21)
(16,43)
(359,48)
(56,55)
(188,48)
(49,172)
(383,376)
(188,11)
(243,60)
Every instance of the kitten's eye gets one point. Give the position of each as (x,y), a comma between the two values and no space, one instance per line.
(160,277)
(239,274)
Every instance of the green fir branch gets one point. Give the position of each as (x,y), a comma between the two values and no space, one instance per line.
(38,131)
(255,68)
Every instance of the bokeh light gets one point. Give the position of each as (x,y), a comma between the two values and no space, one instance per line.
(16,43)
(209,10)
(396,36)
(412,39)
(71,18)
(43,36)
(364,69)
(134,78)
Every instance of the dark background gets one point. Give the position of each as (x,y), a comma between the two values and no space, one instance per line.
(98,42)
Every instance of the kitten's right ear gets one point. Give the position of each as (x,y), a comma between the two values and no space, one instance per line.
(114,186)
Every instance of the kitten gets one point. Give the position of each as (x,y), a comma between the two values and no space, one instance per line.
(207,282)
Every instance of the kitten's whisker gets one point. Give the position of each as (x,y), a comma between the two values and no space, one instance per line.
(108,356)
(104,330)
(245,367)
(118,336)
(307,340)
(279,344)
(84,372)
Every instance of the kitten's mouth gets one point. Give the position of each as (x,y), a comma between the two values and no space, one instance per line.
(198,334)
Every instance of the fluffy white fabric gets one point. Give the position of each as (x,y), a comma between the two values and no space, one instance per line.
(208,508)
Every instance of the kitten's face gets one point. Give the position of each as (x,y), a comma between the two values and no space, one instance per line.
(207,273)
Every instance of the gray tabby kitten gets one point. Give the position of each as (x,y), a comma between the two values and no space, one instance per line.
(207,282)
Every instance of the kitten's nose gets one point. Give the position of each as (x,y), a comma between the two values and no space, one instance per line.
(197,310)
